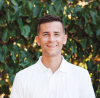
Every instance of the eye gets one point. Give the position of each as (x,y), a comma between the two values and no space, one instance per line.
(57,34)
(45,34)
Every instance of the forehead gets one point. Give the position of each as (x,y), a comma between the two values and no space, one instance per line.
(55,25)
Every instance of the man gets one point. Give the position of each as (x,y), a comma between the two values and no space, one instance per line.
(52,76)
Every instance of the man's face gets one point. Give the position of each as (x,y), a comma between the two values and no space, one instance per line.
(51,38)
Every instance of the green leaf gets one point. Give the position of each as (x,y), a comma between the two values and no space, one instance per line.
(16,14)
(57,5)
(92,13)
(1,3)
(98,32)
(70,0)
(1,67)
(13,55)
(5,48)
(16,49)
(2,82)
(89,41)
(88,29)
(35,11)
(77,8)
(7,34)
(16,8)
(14,2)
(68,44)
(11,71)
(11,75)
(41,12)
(23,55)
(2,22)
(80,54)
(79,22)
(86,17)
(73,30)
(62,5)
(53,1)
(11,78)
(89,65)
(25,30)
(52,10)
(2,57)
(4,35)
(1,49)
(20,22)
(27,62)
(86,0)
(6,68)
(30,5)
(5,89)
(37,54)
(98,67)
(68,57)
(94,67)
(83,43)
(8,15)
(72,49)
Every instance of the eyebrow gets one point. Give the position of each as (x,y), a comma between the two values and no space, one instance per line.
(56,32)
(44,32)
(48,32)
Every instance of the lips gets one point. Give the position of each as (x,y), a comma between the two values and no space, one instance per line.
(51,46)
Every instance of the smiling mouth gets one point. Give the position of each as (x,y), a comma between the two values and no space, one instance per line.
(51,46)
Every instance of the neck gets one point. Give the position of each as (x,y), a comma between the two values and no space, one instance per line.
(52,62)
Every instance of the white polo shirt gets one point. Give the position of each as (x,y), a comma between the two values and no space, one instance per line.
(37,81)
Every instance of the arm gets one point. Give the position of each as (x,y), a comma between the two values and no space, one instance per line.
(86,88)
(17,90)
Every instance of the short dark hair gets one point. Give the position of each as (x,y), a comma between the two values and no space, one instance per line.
(49,18)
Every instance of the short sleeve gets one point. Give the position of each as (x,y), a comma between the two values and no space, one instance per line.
(17,90)
(86,88)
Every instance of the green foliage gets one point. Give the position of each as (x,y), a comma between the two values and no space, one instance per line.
(18,28)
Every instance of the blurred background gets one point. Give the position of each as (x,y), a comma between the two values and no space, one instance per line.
(18,28)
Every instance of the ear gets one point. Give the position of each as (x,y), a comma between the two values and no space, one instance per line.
(65,39)
(37,40)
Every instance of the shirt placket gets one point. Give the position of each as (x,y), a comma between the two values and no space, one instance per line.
(51,85)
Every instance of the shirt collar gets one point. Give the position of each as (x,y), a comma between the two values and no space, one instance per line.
(40,66)
(63,67)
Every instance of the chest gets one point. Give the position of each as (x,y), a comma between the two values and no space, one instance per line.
(51,86)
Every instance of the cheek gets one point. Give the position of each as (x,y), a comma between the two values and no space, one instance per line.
(43,41)
(60,40)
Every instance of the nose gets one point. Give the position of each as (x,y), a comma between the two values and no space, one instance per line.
(51,38)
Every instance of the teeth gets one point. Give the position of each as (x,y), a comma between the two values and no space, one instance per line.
(51,46)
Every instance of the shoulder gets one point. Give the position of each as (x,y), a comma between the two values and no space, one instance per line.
(77,73)
(27,72)
(74,69)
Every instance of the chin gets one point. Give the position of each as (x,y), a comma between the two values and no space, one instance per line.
(51,54)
